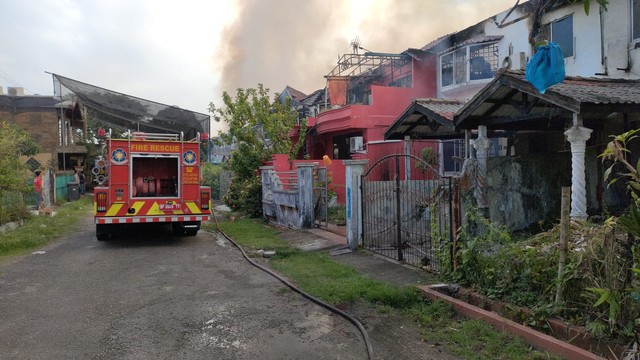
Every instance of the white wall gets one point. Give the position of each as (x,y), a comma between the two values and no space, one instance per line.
(589,43)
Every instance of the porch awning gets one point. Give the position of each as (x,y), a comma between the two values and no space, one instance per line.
(510,102)
(426,119)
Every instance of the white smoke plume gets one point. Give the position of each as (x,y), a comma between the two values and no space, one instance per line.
(292,42)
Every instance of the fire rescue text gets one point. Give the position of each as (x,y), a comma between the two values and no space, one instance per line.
(155,147)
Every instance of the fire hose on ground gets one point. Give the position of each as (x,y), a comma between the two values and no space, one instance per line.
(293,287)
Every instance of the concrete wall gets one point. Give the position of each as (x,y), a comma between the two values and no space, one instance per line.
(290,208)
(523,190)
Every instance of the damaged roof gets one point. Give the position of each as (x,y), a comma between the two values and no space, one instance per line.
(426,118)
(129,112)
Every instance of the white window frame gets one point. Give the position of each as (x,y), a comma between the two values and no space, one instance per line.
(467,69)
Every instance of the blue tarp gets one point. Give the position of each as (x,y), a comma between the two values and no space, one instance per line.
(546,67)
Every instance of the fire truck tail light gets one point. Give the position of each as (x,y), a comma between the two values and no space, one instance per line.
(101,201)
(204,200)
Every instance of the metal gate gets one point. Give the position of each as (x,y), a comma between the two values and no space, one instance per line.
(406,211)
(320,201)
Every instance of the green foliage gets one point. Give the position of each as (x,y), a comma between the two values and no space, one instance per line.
(255,235)
(429,157)
(337,215)
(259,127)
(14,142)
(12,207)
(621,293)
(255,120)
(492,261)
(596,289)
(15,177)
(40,230)
(245,196)
(211,178)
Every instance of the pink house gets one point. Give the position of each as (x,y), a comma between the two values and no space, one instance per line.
(364,95)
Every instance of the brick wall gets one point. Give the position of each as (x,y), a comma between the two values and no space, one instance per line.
(42,125)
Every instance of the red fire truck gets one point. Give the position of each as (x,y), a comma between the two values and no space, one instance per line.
(150,178)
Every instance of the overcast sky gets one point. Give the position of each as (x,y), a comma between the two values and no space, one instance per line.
(187,52)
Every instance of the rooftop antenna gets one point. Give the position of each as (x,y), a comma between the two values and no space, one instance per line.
(355,45)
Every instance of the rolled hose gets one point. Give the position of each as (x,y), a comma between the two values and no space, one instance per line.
(293,287)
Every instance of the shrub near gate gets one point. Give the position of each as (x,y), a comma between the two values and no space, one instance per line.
(524,272)
(504,267)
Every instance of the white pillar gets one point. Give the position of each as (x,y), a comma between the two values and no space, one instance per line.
(354,169)
(305,194)
(267,192)
(578,135)
(482,144)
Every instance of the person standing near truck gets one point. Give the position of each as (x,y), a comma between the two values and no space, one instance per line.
(81,182)
(37,187)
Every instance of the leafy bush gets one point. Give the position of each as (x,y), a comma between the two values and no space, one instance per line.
(245,196)
(503,267)
(337,214)
(12,207)
(211,178)
(595,290)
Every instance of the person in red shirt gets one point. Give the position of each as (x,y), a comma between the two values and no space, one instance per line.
(37,186)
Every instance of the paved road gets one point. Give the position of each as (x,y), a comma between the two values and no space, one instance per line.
(151,296)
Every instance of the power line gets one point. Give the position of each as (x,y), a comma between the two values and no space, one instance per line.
(4,75)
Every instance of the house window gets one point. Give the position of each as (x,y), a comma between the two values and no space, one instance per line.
(446,62)
(561,33)
(404,82)
(468,63)
(483,61)
(635,20)
(452,149)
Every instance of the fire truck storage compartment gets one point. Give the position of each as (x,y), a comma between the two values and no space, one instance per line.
(155,175)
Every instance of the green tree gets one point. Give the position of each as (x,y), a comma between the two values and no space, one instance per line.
(14,175)
(258,127)
(211,177)
(14,142)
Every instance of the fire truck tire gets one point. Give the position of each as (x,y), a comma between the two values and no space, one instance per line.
(191,232)
(192,228)
(102,232)
(176,228)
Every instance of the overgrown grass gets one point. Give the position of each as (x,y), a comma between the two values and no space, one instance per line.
(335,283)
(40,230)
